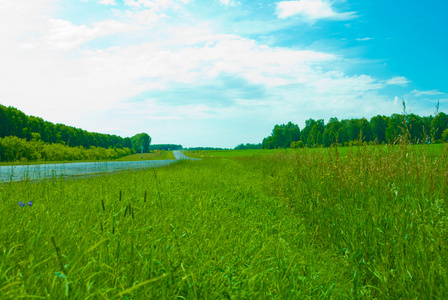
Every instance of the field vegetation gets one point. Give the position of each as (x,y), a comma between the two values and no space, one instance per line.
(298,224)
(14,150)
(154,155)
(430,150)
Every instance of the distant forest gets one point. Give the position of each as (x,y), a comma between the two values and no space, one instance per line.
(166,147)
(248,146)
(206,148)
(380,129)
(29,138)
(14,122)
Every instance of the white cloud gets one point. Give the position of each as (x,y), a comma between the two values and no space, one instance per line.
(208,58)
(398,80)
(339,83)
(418,93)
(107,2)
(364,39)
(145,17)
(164,117)
(311,10)
(157,5)
(63,34)
(147,3)
(19,17)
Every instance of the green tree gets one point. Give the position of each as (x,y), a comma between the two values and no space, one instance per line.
(353,129)
(364,130)
(292,133)
(394,128)
(438,125)
(316,134)
(330,135)
(304,134)
(278,136)
(445,135)
(416,128)
(141,139)
(127,143)
(378,124)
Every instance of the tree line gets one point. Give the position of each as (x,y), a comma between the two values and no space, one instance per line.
(248,146)
(166,147)
(380,129)
(206,148)
(14,122)
(29,138)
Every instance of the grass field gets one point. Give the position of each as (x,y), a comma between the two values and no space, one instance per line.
(370,222)
(431,150)
(155,155)
(229,153)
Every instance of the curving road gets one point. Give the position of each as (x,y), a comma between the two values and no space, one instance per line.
(36,172)
(180,155)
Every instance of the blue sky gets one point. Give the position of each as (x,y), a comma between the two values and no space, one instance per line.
(220,72)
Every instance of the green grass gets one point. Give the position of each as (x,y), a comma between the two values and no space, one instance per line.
(431,150)
(156,155)
(230,153)
(304,224)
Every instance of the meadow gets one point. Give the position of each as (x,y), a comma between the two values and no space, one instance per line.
(365,222)
(153,155)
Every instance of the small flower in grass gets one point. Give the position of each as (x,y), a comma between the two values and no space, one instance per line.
(30,203)
(22,204)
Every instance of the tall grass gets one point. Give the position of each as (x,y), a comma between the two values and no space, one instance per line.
(299,224)
(382,210)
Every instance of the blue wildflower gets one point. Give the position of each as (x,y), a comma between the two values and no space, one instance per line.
(30,203)
(21,204)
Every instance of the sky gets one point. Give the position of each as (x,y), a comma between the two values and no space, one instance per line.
(219,73)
